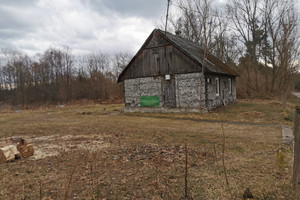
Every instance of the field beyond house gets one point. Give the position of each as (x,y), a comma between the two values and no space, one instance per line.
(97,152)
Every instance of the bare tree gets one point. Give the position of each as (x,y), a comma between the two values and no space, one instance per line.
(281,25)
(56,76)
(197,21)
(97,62)
(245,15)
(120,61)
(207,25)
(16,74)
(287,45)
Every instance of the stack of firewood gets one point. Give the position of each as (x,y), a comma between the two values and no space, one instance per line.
(12,152)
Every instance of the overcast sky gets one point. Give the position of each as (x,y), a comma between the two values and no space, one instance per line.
(83,25)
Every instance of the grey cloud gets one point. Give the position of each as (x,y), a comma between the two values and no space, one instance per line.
(17,21)
(83,25)
(18,3)
(142,8)
(10,34)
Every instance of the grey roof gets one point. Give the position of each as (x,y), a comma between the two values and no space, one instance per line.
(196,52)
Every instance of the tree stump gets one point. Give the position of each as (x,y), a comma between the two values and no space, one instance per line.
(8,153)
(25,149)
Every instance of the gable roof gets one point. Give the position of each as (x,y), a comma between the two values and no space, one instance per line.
(192,50)
(213,64)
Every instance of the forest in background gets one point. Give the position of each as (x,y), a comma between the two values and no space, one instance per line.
(257,38)
(58,76)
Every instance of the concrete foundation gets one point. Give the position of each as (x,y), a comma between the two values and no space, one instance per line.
(160,110)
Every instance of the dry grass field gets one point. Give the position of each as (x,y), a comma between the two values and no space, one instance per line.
(96,152)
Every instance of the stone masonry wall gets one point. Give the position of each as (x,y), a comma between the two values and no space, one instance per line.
(188,90)
(224,97)
(134,88)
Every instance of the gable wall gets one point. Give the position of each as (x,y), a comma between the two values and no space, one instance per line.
(172,61)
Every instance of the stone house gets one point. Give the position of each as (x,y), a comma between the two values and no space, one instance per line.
(166,74)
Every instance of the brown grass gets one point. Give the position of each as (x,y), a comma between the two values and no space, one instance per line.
(257,111)
(144,157)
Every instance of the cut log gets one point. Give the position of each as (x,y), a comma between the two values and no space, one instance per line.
(25,149)
(8,153)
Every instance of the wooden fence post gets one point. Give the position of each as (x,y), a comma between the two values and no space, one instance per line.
(296,164)
(283,99)
(186,171)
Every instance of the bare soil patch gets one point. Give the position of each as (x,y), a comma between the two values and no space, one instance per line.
(53,145)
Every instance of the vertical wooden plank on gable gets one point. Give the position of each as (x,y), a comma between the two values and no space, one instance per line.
(163,61)
(174,60)
(152,41)
(170,57)
(128,73)
(150,44)
(154,62)
(142,68)
(151,61)
(145,63)
(137,72)
(132,69)
(179,64)
(150,68)
(164,52)
(159,61)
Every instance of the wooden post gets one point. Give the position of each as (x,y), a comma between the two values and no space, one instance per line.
(296,164)
(166,25)
(186,172)
(283,99)
(202,80)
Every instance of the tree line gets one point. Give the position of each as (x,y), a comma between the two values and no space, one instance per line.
(58,76)
(258,38)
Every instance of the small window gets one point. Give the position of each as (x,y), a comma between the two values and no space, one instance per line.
(208,80)
(158,63)
(217,87)
(230,85)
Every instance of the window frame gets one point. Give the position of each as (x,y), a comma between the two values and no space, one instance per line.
(230,85)
(217,86)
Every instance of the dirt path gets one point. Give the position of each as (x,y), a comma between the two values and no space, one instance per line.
(297,94)
(208,121)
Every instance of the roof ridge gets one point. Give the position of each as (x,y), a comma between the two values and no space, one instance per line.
(179,37)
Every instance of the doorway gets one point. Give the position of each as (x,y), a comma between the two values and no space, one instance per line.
(169,92)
